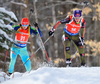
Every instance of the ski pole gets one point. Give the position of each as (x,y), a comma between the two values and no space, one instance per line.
(77,50)
(38,49)
(31,10)
(43,47)
(5,59)
(81,40)
(21,42)
(73,55)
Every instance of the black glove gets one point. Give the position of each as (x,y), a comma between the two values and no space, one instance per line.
(11,23)
(51,32)
(35,24)
(82,39)
(32,10)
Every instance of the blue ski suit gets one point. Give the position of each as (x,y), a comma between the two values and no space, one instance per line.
(21,49)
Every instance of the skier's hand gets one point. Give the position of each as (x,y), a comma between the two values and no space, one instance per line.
(82,40)
(51,32)
(63,38)
(35,24)
(11,23)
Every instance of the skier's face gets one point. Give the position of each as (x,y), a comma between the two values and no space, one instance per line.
(24,26)
(77,19)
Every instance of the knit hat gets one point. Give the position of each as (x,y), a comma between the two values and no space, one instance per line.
(77,13)
(25,21)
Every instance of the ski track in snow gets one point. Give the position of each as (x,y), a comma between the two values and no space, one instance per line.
(54,75)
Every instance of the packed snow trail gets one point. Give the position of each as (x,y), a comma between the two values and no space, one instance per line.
(54,75)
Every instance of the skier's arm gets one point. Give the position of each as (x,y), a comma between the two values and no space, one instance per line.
(54,28)
(38,29)
(56,25)
(83,28)
(16,27)
(82,31)
(66,20)
(33,30)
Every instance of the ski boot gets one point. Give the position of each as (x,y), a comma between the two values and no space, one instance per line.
(68,62)
(83,65)
(9,74)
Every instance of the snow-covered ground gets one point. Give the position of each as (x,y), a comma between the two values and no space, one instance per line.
(54,75)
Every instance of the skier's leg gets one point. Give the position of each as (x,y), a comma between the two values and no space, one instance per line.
(80,48)
(25,56)
(13,56)
(66,44)
(67,48)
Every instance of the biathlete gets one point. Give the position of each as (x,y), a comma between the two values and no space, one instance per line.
(23,32)
(74,31)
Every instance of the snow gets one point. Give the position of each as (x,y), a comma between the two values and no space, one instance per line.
(54,75)
(9,27)
(3,44)
(19,4)
(9,13)
(6,26)
(2,32)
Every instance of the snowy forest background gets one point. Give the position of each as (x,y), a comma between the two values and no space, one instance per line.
(46,14)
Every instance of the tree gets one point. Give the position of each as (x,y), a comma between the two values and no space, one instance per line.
(6,29)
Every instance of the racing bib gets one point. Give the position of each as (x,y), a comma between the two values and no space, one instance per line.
(22,35)
(72,27)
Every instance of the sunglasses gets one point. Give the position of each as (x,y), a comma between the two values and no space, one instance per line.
(24,25)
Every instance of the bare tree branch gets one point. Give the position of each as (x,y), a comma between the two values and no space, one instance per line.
(17,3)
